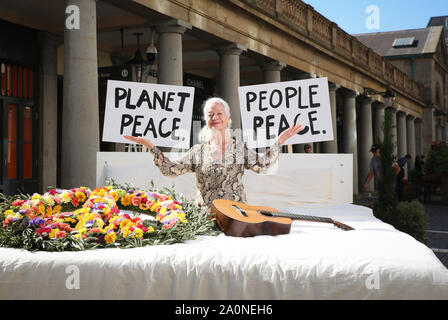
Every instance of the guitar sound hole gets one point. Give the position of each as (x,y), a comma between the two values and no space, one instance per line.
(241,211)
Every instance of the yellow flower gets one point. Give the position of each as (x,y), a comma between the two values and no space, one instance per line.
(126,200)
(114,194)
(80,196)
(138,232)
(150,229)
(110,237)
(143,206)
(124,223)
(155,206)
(126,232)
(53,233)
(65,197)
(162,211)
(82,231)
(35,196)
(42,210)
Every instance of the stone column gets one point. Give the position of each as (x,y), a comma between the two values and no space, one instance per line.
(80,123)
(298,148)
(170,66)
(428,128)
(272,73)
(444,132)
(394,130)
(332,146)
(410,137)
(438,132)
(49,108)
(366,140)
(401,135)
(349,134)
(418,137)
(378,121)
(229,79)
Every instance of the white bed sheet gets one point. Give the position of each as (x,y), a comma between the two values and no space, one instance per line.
(313,261)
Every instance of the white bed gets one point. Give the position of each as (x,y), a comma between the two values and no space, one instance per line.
(313,261)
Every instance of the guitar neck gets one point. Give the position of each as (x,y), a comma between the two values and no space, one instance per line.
(295,216)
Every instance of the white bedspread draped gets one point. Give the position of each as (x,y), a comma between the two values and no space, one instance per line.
(314,261)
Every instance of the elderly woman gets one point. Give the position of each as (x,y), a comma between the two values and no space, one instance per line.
(220,160)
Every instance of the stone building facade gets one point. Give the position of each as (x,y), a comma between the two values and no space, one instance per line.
(223,44)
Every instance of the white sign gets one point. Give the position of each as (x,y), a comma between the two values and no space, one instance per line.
(160,113)
(269,109)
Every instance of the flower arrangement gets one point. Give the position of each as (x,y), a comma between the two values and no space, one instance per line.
(81,218)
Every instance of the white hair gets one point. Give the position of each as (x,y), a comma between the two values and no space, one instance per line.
(205,132)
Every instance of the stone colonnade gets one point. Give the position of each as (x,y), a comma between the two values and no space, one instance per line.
(81,99)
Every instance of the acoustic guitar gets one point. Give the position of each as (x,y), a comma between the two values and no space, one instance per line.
(242,220)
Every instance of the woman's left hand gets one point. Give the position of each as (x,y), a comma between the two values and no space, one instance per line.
(290,132)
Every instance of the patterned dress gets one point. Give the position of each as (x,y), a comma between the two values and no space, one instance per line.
(218,178)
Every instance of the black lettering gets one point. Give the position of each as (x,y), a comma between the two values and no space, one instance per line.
(136,124)
(300,99)
(126,120)
(283,124)
(166,134)
(290,92)
(159,99)
(250,97)
(269,124)
(280,98)
(128,101)
(120,94)
(183,96)
(313,132)
(305,128)
(168,100)
(150,127)
(144,97)
(312,93)
(258,122)
(175,127)
(262,97)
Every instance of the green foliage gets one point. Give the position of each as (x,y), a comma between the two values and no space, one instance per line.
(408,217)
(437,161)
(387,198)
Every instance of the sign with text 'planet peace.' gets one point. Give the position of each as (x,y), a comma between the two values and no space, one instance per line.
(160,113)
(269,109)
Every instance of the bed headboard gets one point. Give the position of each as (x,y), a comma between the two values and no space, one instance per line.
(297,178)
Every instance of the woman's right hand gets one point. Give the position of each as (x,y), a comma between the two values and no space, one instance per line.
(145,142)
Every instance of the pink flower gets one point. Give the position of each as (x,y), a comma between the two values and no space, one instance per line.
(136,201)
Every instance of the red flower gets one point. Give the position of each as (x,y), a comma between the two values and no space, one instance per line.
(150,203)
(61,234)
(17,203)
(52,192)
(43,230)
(75,202)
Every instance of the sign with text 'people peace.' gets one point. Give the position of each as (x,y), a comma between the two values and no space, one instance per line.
(269,109)
(160,113)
